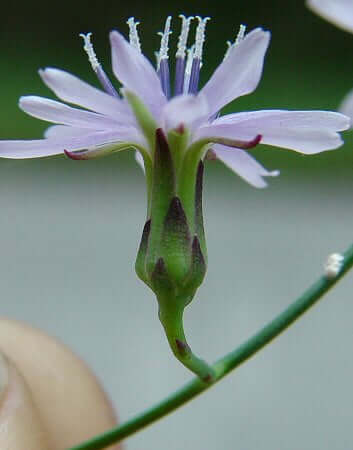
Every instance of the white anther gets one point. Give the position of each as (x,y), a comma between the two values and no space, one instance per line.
(333,265)
(183,37)
(200,36)
(88,48)
(163,52)
(239,38)
(133,34)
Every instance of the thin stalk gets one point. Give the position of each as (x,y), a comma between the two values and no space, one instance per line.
(174,330)
(224,365)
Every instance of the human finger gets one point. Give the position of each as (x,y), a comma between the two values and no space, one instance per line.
(73,406)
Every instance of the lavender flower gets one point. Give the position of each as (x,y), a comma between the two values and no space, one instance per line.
(107,121)
(340,13)
(173,129)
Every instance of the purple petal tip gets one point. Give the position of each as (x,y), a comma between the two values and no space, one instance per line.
(253,143)
(73,155)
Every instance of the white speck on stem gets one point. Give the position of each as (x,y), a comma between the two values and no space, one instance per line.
(333,265)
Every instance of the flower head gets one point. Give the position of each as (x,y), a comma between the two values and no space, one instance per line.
(173,127)
(108,120)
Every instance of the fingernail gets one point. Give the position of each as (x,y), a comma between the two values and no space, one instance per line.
(4,377)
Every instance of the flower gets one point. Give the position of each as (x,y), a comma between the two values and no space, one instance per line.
(173,132)
(107,121)
(340,13)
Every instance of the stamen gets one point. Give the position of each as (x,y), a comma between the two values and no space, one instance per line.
(241,34)
(197,59)
(188,66)
(88,48)
(164,76)
(239,38)
(179,76)
(162,59)
(163,52)
(195,76)
(180,55)
(96,66)
(183,37)
(133,34)
(200,36)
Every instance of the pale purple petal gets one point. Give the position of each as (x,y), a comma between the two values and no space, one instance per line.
(54,146)
(346,106)
(136,73)
(307,132)
(240,72)
(57,131)
(56,112)
(339,12)
(244,165)
(71,89)
(185,110)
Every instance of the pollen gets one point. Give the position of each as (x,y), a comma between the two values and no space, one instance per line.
(163,52)
(133,34)
(200,36)
(183,37)
(88,48)
(333,265)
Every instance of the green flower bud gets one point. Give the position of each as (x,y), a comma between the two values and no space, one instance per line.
(171,259)
(172,255)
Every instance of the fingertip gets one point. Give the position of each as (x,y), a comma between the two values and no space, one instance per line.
(20,423)
(71,401)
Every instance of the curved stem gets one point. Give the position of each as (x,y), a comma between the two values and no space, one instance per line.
(225,365)
(172,321)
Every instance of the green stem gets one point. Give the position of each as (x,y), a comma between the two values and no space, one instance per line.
(172,321)
(223,366)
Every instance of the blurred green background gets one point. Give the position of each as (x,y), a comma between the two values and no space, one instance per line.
(70,231)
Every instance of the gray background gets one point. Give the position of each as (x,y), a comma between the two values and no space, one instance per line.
(69,238)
